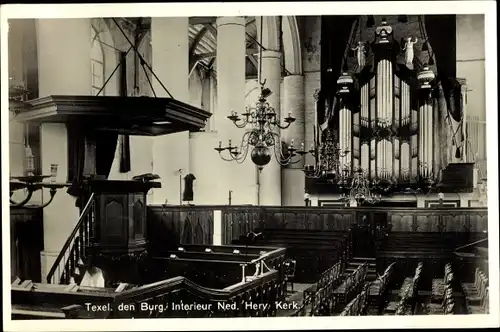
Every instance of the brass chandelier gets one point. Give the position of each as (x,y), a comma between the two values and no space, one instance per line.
(260,138)
(327,159)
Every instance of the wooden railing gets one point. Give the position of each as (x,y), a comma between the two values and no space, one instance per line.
(179,298)
(75,248)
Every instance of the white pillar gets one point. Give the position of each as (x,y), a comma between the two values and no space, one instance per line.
(217,229)
(293,179)
(231,51)
(170,48)
(270,183)
(63,69)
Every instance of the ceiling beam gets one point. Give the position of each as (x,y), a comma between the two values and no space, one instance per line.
(202,20)
(208,55)
(212,29)
(253,60)
(192,59)
(250,22)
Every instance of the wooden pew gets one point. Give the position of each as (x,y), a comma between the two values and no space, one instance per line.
(313,250)
(443,290)
(477,293)
(359,305)
(351,285)
(408,295)
(380,288)
(319,298)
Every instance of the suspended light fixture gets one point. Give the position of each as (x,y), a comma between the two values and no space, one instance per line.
(327,159)
(260,138)
(357,187)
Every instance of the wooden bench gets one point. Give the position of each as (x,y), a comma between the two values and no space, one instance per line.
(443,292)
(477,293)
(351,284)
(313,250)
(407,295)
(359,305)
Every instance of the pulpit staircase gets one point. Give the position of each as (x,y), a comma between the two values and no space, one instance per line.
(65,274)
(70,265)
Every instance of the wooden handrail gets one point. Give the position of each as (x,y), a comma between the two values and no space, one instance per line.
(70,238)
(176,283)
(471,244)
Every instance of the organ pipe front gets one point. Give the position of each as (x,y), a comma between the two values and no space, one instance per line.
(391,135)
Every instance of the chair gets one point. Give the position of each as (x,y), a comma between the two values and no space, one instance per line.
(290,266)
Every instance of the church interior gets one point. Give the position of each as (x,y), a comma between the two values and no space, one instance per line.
(248,166)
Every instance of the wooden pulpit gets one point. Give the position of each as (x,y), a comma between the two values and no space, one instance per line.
(119,241)
(120,216)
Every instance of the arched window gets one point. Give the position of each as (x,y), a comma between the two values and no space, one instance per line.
(97,63)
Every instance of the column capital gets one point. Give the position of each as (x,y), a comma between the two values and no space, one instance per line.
(230,20)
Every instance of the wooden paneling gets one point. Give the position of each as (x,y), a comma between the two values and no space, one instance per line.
(26,239)
(171,226)
(188,224)
(438,220)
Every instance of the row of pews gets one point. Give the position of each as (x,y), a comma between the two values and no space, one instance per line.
(360,304)
(447,296)
(380,289)
(407,295)
(444,291)
(477,294)
(333,291)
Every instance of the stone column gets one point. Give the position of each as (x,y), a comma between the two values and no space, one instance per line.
(270,177)
(170,48)
(63,69)
(231,49)
(293,179)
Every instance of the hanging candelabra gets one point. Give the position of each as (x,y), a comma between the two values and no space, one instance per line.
(327,159)
(358,187)
(261,139)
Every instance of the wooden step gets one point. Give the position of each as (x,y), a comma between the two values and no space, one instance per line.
(36,312)
(357,263)
(365,259)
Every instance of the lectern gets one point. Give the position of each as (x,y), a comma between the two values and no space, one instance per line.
(119,232)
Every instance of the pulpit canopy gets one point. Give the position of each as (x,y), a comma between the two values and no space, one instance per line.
(141,116)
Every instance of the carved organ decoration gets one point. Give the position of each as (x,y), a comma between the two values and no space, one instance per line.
(385,113)
(409,52)
(360,55)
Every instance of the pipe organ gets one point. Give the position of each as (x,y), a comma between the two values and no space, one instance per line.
(391,134)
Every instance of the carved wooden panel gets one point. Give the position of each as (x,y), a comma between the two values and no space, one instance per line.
(113,223)
(170,226)
(138,219)
(438,220)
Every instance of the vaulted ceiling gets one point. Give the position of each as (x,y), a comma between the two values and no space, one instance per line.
(203,41)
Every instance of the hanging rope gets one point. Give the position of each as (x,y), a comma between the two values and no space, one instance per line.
(262,83)
(112,73)
(143,62)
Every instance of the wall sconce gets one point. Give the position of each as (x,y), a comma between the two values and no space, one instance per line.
(33,183)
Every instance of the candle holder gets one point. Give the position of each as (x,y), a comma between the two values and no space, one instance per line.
(31,184)
(261,140)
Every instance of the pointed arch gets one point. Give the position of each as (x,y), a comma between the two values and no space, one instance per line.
(105,55)
(291,45)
